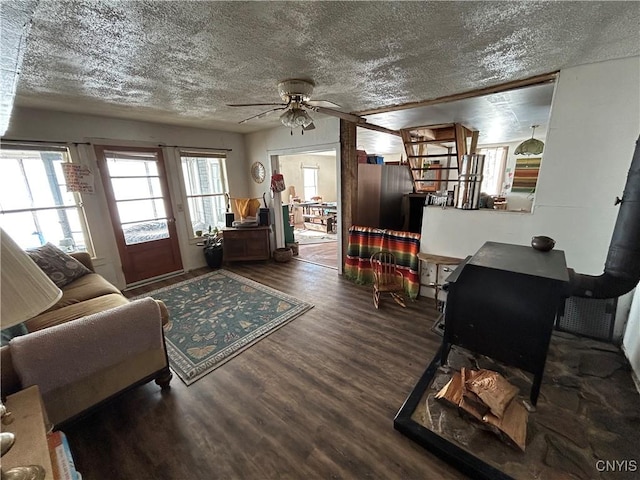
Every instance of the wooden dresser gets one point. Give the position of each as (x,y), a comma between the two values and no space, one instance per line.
(246,244)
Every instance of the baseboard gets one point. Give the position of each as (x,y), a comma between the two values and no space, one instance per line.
(636,380)
(634,374)
(147,281)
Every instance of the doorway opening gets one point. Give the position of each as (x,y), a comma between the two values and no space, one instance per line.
(310,206)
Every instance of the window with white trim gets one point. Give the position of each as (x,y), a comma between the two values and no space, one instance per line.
(205,182)
(495,161)
(35,207)
(310,182)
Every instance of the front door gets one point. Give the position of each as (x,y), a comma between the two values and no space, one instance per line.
(135,185)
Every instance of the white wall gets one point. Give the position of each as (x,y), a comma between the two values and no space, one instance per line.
(595,121)
(631,341)
(32,124)
(291,168)
(260,146)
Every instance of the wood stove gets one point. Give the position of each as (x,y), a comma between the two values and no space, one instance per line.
(502,303)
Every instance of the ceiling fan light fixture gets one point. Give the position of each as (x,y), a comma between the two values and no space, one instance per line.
(307,119)
(296,117)
(531,146)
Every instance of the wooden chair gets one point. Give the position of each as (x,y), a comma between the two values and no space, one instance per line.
(387,278)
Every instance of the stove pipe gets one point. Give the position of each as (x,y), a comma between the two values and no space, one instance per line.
(622,268)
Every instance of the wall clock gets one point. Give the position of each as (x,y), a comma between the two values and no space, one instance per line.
(257,172)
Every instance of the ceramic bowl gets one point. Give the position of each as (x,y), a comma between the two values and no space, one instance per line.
(542,243)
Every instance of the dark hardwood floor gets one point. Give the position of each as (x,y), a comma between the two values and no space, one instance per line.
(315,399)
(325,254)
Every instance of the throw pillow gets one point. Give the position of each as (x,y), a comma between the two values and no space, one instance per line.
(61,268)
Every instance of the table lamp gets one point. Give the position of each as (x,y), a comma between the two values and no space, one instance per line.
(25,291)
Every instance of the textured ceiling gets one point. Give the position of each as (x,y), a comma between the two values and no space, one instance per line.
(498,117)
(181,62)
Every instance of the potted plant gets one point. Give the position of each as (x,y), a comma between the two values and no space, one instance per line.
(212,247)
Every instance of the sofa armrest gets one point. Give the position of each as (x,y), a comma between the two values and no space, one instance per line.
(9,379)
(164,312)
(84,258)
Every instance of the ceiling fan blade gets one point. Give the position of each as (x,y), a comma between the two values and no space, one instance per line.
(323,103)
(255,104)
(336,113)
(263,114)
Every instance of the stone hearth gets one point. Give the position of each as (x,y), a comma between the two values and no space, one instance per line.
(588,413)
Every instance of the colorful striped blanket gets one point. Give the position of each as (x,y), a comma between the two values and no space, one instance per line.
(365,241)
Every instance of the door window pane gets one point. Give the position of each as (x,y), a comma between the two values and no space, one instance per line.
(130,188)
(145,231)
(139,210)
(134,165)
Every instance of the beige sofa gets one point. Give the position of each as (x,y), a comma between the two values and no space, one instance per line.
(90,346)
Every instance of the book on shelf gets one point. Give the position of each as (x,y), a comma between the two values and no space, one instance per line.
(61,458)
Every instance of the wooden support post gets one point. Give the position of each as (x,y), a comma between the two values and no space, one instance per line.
(349,179)
(461,142)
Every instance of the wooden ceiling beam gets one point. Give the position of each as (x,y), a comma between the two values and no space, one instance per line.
(378,128)
(503,87)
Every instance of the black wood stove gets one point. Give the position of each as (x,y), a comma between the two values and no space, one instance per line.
(502,303)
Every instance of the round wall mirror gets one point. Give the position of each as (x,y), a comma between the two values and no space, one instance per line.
(257,172)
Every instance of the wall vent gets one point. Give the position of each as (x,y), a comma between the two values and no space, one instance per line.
(589,317)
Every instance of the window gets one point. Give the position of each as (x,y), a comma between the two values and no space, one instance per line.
(310,182)
(495,159)
(136,182)
(206,187)
(35,207)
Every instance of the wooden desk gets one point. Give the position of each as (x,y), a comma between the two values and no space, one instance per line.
(29,427)
(246,244)
(438,261)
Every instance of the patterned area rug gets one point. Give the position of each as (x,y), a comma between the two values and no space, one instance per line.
(216,316)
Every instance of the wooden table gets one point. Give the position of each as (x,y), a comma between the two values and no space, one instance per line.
(29,427)
(319,216)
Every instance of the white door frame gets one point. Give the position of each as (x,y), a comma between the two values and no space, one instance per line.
(273,159)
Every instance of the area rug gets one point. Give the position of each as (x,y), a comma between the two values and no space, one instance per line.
(214,317)
(310,237)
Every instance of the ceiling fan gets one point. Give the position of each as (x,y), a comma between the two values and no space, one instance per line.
(296,95)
